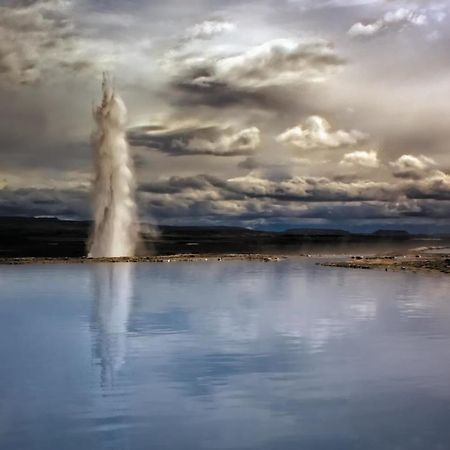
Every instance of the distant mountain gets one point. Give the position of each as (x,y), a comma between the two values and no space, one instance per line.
(316,232)
(51,237)
(209,230)
(392,233)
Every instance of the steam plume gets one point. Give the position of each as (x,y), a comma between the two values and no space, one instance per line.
(115,231)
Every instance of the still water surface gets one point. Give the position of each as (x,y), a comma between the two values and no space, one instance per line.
(223,355)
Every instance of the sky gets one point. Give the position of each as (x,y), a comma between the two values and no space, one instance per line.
(267,114)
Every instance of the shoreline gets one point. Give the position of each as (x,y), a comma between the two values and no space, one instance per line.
(143,259)
(439,263)
(417,262)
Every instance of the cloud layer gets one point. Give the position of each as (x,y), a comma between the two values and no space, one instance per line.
(316,133)
(244,113)
(398,19)
(212,140)
(209,29)
(35,38)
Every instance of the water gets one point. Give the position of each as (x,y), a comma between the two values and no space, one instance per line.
(115,232)
(223,355)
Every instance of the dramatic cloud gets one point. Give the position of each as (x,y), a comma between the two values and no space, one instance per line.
(255,200)
(396,19)
(316,133)
(209,29)
(368,159)
(240,143)
(436,186)
(44,202)
(278,62)
(211,140)
(36,37)
(266,98)
(314,189)
(370,29)
(409,166)
(302,189)
(217,78)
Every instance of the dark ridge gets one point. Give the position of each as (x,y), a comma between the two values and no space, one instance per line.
(392,233)
(316,232)
(53,238)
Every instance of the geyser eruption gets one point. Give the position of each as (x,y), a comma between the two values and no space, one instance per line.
(115,231)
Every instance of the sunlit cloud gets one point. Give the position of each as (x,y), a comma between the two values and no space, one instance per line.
(317,133)
(361,158)
(409,166)
(397,19)
(209,29)
(239,112)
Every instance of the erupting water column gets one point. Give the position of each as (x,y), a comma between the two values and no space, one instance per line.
(115,231)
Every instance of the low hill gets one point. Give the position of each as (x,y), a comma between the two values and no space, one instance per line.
(50,237)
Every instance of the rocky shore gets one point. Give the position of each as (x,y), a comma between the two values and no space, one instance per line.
(143,259)
(418,262)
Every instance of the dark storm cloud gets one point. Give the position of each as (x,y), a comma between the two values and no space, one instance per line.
(412,167)
(282,101)
(221,94)
(311,189)
(175,185)
(304,189)
(211,140)
(207,198)
(264,212)
(258,76)
(347,178)
(436,187)
(256,201)
(44,202)
(430,209)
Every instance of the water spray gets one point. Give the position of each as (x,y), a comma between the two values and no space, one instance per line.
(115,230)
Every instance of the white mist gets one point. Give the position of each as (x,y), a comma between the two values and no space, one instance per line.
(115,230)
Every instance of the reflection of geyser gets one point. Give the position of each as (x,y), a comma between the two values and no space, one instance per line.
(113,293)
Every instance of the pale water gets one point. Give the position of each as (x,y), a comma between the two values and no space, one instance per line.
(223,355)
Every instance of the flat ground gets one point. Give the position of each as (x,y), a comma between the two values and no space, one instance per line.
(416,263)
(142,259)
